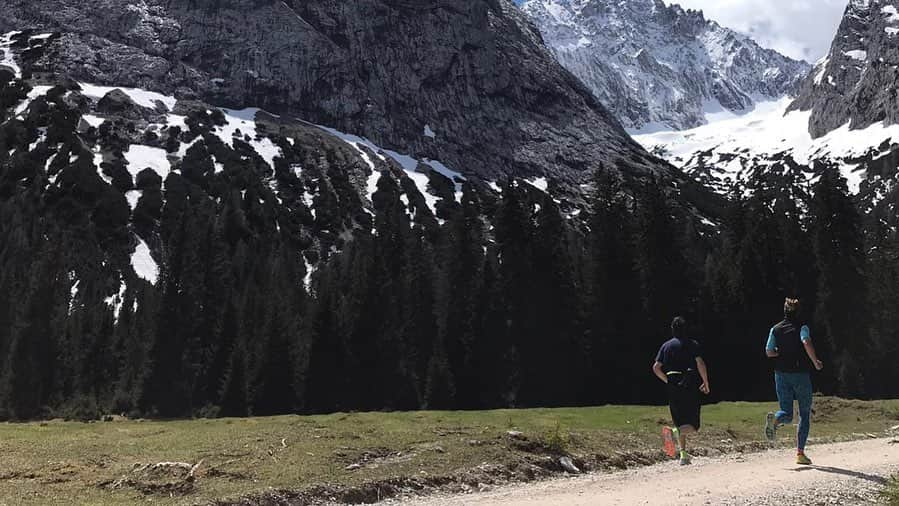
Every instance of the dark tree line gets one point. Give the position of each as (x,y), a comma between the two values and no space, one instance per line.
(531,309)
(511,301)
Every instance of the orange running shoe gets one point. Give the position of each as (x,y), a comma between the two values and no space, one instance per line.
(669,442)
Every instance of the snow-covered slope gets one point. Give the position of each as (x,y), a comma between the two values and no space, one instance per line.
(661,67)
(769,142)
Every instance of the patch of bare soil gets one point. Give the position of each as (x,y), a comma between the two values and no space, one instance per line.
(162,478)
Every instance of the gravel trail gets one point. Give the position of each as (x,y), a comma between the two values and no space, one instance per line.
(844,473)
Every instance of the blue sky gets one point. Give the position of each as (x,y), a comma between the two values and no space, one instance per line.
(797,28)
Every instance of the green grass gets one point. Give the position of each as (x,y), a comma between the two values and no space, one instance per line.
(61,462)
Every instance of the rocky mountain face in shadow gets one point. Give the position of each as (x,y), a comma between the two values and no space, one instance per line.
(467,83)
(856,82)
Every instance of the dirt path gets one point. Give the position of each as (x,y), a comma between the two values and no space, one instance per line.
(844,473)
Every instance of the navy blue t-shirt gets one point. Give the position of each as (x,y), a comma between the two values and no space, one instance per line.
(678,355)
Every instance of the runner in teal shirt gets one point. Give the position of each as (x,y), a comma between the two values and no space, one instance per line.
(790,347)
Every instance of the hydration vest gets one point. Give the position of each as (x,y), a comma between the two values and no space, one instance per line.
(791,352)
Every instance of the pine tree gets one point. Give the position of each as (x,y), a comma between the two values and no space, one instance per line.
(556,357)
(883,290)
(665,287)
(514,238)
(494,360)
(615,293)
(839,247)
(458,282)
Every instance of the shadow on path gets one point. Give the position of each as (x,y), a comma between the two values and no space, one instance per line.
(880,480)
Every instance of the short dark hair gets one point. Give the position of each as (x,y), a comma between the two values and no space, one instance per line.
(791,307)
(678,326)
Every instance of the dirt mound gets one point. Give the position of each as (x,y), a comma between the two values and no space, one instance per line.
(162,478)
(826,409)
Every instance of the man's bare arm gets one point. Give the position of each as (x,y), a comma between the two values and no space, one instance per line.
(657,370)
(810,350)
(704,374)
(771,346)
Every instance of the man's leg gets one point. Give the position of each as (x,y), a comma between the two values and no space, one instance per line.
(803,390)
(671,435)
(683,430)
(691,409)
(785,397)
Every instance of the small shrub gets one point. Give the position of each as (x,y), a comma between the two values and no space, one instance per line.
(556,440)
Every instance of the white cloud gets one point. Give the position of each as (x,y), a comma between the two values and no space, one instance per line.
(797,28)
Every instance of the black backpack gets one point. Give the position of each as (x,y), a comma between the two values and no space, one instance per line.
(791,353)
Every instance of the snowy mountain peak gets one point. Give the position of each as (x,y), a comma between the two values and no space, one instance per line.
(845,116)
(660,67)
(855,82)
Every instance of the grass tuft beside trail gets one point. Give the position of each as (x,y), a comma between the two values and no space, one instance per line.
(365,456)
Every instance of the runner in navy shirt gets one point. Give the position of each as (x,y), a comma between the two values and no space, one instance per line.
(680,365)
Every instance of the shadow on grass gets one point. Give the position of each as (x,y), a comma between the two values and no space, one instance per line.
(880,480)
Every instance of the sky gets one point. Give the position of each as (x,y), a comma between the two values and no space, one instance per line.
(801,29)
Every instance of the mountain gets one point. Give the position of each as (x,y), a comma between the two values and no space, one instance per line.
(844,116)
(476,66)
(231,207)
(661,67)
(260,207)
(855,82)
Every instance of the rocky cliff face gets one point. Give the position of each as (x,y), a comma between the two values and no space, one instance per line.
(419,77)
(143,143)
(658,66)
(856,82)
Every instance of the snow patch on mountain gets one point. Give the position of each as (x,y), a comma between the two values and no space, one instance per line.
(733,149)
(241,124)
(6,57)
(539,183)
(140,97)
(145,157)
(94,121)
(144,265)
(116,301)
(36,91)
(409,164)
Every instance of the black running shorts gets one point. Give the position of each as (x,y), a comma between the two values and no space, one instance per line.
(685,404)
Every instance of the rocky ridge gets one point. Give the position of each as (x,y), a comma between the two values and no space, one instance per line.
(132,104)
(472,67)
(662,67)
(126,151)
(856,82)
